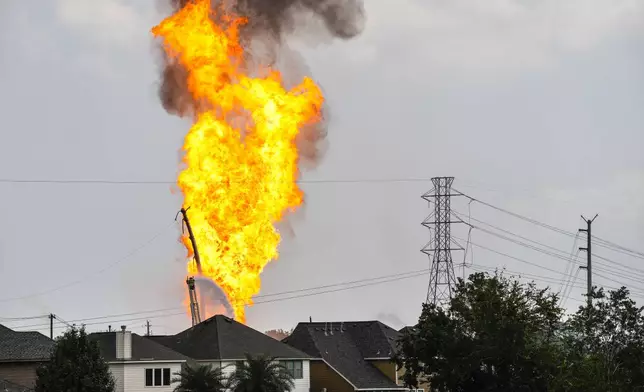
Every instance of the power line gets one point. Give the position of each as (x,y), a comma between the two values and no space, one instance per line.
(13,319)
(559,252)
(614,270)
(529,262)
(84,279)
(601,242)
(154,182)
(378,280)
(365,283)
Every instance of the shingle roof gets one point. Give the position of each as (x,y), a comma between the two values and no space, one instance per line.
(221,338)
(345,346)
(142,348)
(24,346)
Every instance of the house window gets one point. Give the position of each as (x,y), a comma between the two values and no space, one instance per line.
(293,367)
(148,377)
(157,377)
(166,376)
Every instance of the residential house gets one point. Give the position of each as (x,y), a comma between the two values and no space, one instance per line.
(138,363)
(21,353)
(223,342)
(349,356)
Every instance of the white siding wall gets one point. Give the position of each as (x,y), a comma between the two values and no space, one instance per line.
(301,385)
(117,372)
(304,384)
(131,376)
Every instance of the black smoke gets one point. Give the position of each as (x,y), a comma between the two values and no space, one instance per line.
(270,22)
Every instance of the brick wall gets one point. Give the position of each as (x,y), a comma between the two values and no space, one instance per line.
(22,373)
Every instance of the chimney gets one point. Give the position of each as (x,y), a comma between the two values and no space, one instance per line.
(123,344)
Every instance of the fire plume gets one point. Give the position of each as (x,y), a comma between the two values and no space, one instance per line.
(240,155)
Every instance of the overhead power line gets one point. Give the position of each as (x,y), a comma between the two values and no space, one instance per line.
(154,182)
(545,249)
(84,279)
(532,263)
(600,241)
(351,285)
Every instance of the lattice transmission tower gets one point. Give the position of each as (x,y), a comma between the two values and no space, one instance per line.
(439,248)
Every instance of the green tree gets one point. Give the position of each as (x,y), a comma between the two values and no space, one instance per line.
(604,345)
(496,334)
(75,365)
(260,374)
(200,379)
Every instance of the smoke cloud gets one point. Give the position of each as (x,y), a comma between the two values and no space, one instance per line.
(270,22)
(212,299)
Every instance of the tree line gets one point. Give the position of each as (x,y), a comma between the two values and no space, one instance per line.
(498,334)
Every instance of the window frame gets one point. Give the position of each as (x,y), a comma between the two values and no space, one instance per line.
(292,367)
(162,372)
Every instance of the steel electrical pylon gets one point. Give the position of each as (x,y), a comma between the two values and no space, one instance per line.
(441,278)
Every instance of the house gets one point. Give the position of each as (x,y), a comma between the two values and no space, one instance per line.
(137,363)
(224,342)
(21,353)
(349,356)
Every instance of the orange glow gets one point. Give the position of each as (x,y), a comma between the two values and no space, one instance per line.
(240,154)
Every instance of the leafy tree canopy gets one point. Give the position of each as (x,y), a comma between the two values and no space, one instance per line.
(75,365)
(497,334)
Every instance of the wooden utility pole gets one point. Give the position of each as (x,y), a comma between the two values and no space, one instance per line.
(51,325)
(589,255)
(147,327)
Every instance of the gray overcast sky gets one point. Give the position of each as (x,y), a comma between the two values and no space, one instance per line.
(535,106)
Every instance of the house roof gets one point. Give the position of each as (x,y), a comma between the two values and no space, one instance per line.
(346,346)
(221,338)
(142,349)
(404,330)
(24,346)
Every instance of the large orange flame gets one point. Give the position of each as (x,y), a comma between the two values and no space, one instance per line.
(240,154)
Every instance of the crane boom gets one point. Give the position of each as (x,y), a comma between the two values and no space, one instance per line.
(190,281)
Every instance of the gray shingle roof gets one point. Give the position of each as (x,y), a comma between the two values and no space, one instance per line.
(142,348)
(221,338)
(24,346)
(345,346)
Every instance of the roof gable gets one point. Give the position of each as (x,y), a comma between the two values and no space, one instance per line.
(221,338)
(24,346)
(346,346)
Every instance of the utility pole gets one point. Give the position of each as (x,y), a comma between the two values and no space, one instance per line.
(147,327)
(51,325)
(589,255)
